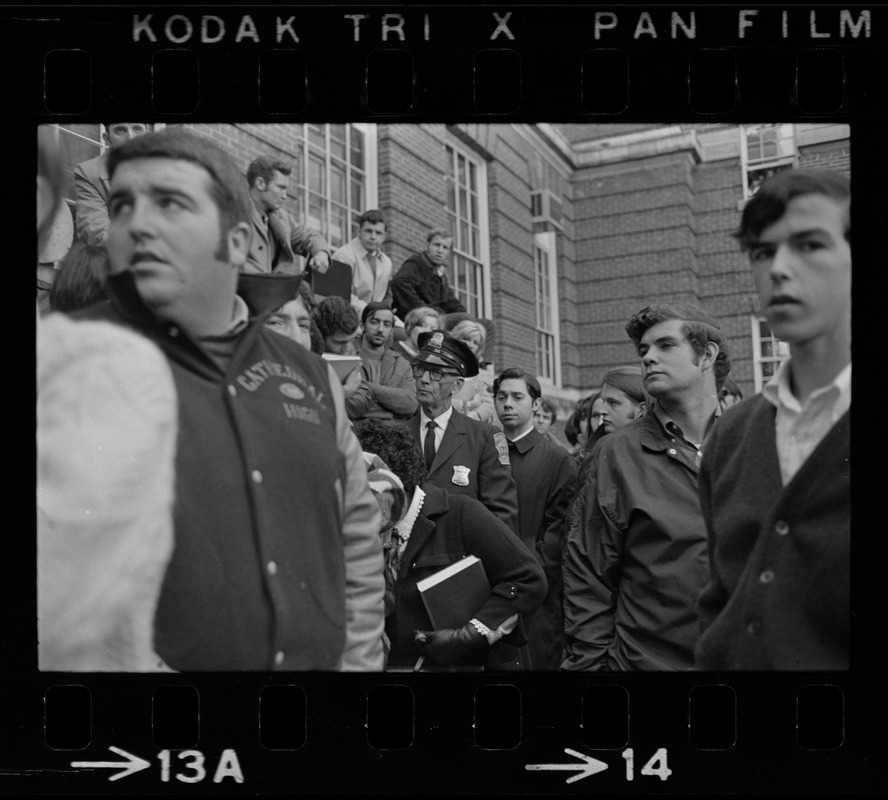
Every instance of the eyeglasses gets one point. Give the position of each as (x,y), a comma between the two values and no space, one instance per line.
(435,374)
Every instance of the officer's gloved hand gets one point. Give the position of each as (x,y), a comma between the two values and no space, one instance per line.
(449,645)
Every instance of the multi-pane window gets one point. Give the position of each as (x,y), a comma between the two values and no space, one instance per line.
(329,182)
(766,150)
(546,302)
(465,181)
(768,352)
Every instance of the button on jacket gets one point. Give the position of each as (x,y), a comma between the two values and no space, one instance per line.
(779,593)
(635,558)
(277,562)
(473,459)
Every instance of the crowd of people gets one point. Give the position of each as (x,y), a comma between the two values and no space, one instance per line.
(237,471)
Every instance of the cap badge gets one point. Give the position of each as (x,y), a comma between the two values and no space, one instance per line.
(437,340)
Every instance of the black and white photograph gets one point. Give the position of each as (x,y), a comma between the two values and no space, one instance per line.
(445,399)
(584,407)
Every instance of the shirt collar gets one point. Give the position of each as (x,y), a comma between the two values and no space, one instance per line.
(778,390)
(521,436)
(441,420)
(672,427)
(239,320)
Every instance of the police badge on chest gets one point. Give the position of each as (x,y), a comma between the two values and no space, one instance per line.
(460,476)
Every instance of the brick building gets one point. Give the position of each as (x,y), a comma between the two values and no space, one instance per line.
(561,232)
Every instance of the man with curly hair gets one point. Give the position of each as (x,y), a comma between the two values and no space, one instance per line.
(636,554)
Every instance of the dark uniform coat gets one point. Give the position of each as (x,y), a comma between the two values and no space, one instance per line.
(449,528)
(545,475)
(473,460)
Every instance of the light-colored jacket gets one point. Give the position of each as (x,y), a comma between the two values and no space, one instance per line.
(92,188)
(368,285)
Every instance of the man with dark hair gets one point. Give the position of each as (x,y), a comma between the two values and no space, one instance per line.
(387,390)
(463,455)
(545,476)
(92,183)
(371,268)
(277,562)
(422,278)
(338,323)
(277,237)
(544,417)
(775,483)
(635,558)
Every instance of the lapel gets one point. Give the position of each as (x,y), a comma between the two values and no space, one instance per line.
(452,440)
(433,506)
(279,225)
(259,228)
(103,176)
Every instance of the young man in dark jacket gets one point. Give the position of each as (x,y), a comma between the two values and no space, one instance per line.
(422,279)
(775,480)
(277,562)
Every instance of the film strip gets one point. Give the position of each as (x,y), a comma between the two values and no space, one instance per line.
(459,66)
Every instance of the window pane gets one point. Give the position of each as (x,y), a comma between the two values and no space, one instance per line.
(357,194)
(316,176)
(473,184)
(317,218)
(338,225)
(317,136)
(451,194)
(337,141)
(357,148)
(337,183)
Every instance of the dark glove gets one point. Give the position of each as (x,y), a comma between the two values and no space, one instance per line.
(449,645)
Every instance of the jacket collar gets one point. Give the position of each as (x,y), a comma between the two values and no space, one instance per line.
(527,442)
(434,505)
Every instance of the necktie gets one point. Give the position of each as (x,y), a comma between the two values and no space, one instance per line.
(428,448)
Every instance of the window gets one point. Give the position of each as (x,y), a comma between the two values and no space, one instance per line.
(766,150)
(548,350)
(768,352)
(330,185)
(466,184)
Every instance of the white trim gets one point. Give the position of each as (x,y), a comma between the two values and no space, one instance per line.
(483,257)
(547,242)
(757,358)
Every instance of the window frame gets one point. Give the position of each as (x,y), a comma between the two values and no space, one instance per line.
(546,243)
(780,350)
(453,218)
(777,162)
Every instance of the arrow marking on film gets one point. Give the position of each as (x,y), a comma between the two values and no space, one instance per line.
(132,764)
(591,766)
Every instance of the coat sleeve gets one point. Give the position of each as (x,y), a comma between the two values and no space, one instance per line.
(92,210)
(305,242)
(496,486)
(549,545)
(516,579)
(364,581)
(591,573)
(399,396)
